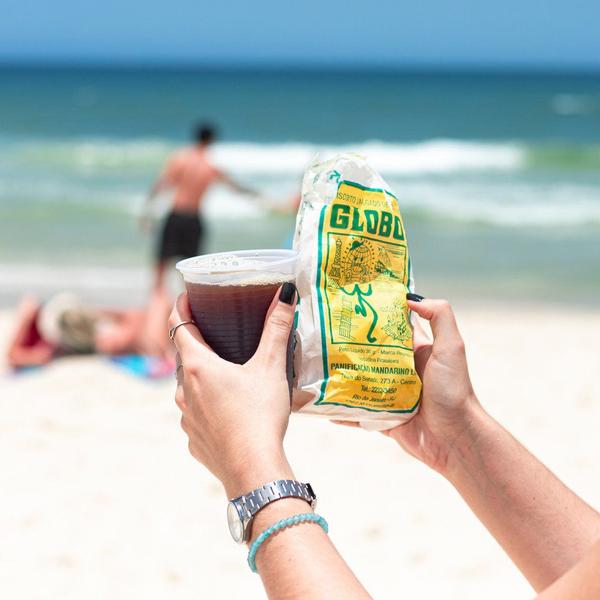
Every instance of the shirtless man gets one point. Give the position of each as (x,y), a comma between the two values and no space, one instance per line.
(189,174)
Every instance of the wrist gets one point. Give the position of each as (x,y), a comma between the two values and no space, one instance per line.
(280,509)
(469,438)
(255,471)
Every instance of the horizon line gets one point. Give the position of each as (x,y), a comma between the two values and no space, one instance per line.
(307,67)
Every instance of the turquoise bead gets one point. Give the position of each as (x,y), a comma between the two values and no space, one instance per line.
(289,522)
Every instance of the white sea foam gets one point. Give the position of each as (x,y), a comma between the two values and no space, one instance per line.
(508,204)
(440,179)
(432,156)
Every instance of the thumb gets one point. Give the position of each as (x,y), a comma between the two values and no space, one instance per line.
(420,337)
(278,324)
(440,315)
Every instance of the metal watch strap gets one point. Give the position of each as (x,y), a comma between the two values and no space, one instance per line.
(276,490)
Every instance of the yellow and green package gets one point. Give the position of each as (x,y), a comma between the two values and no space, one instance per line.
(354,354)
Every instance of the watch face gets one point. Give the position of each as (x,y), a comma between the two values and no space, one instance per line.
(236,527)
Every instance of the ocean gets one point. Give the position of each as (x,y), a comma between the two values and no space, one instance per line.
(498,175)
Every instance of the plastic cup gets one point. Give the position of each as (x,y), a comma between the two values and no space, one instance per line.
(230,293)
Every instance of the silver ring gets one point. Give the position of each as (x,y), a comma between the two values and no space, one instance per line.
(175,327)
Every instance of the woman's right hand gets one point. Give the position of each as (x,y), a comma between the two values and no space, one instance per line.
(448,402)
(236,416)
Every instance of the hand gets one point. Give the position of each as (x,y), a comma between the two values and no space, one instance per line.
(448,401)
(236,416)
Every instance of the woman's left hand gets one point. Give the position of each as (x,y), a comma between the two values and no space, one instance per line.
(236,416)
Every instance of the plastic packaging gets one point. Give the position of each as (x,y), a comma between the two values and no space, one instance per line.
(354,355)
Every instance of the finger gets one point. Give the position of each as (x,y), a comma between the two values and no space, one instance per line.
(187,427)
(420,336)
(180,398)
(422,355)
(278,324)
(178,369)
(441,318)
(187,338)
(179,391)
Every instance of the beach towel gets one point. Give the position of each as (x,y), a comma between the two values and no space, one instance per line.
(146,367)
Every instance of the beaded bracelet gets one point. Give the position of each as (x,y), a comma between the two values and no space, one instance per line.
(289,522)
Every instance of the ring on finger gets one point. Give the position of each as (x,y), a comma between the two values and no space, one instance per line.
(175,327)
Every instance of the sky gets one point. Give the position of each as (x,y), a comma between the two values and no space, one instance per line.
(508,33)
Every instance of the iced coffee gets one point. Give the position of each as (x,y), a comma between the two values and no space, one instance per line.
(230,294)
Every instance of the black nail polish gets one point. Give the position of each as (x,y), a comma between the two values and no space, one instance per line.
(288,293)
(414,297)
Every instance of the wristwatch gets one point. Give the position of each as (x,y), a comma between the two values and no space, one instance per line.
(242,510)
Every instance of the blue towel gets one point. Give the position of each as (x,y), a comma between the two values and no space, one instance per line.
(146,367)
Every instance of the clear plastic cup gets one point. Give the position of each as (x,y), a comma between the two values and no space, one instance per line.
(230,293)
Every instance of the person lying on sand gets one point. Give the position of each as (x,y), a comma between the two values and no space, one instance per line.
(550,534)
(64,326)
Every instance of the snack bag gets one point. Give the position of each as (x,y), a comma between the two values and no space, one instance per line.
(354,355)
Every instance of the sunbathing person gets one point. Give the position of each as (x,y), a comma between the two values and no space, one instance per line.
(64,326)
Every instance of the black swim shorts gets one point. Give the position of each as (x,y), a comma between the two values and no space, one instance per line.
(181,236)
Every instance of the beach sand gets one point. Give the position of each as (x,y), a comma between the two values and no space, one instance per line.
(100,498)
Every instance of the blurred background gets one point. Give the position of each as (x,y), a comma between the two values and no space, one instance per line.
(484,118)
(484,121)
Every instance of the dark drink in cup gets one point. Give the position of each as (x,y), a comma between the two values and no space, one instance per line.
(231,317)
(230,294)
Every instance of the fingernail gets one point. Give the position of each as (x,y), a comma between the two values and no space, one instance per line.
(414,297)
(288,293)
